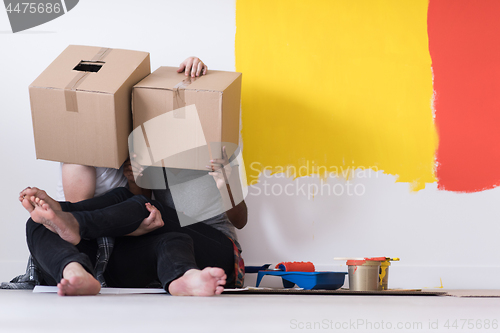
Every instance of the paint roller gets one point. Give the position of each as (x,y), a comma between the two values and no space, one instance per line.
(296,266)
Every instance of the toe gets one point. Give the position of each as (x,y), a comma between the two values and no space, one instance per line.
(219,290)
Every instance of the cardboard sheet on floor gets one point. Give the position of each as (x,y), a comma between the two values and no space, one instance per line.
(473,293)
(299,291)
(106,291)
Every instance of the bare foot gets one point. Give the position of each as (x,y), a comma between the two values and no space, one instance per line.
(27,204)
(26,195)
(77,281)
(208,282)
(64,224)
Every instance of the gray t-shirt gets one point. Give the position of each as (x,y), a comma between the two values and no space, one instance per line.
(195,194)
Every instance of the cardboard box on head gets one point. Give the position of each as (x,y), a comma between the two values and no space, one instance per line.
(183,122)
(80,105)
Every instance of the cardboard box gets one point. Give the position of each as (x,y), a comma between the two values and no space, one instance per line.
(80,105)
(183,122)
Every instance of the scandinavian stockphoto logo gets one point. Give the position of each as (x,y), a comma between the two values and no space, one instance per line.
(25,15)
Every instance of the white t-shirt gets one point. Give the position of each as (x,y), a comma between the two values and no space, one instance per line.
(106,180)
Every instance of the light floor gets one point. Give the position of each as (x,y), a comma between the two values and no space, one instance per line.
(24,311)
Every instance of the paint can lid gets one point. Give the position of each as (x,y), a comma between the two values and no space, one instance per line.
(376,259)
(369,261)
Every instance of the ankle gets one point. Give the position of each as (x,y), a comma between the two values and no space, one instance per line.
(73,269)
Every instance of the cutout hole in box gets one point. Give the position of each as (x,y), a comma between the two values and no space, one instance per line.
(89,66)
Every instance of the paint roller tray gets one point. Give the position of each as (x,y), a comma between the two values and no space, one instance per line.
(307,280)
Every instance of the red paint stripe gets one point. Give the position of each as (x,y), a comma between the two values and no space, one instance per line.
(464,44)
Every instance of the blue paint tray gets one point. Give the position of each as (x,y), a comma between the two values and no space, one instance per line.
(307,280)
(256,269)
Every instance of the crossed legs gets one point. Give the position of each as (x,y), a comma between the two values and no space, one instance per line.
(55,242)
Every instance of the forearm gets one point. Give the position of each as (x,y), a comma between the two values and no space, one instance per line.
(231,192)
(116,220)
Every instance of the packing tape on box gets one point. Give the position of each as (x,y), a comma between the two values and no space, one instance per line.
(70,89)
(179,100)
(148,146)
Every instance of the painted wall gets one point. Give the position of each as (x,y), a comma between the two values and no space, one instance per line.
(464,51)
(348,85)
(407,89)
(360,83)
(351,105)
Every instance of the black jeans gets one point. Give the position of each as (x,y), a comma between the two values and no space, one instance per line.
(164,254)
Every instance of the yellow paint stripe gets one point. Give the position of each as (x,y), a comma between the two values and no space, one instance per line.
(336,84)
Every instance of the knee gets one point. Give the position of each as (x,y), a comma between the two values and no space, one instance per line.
(31,227)
(140,199)
(172,238)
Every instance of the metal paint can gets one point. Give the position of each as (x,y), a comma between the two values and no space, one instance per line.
(364,275)
(368,274)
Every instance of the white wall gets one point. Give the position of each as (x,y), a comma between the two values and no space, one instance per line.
(169,30)
(437,234)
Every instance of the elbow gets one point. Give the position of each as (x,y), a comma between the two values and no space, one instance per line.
(238,215)
(241,224)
